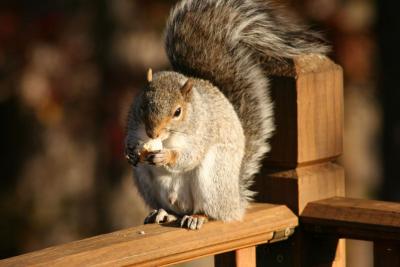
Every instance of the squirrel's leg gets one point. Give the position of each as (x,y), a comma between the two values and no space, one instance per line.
(194,222)
(159,216)
(216,189)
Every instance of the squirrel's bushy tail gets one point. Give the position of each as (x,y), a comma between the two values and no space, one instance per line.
(222,41)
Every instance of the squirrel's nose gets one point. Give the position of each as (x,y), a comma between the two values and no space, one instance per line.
(152,134)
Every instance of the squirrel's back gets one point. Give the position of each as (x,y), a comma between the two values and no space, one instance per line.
(223,41)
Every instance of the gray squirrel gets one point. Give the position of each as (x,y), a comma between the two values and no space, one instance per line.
(212,114)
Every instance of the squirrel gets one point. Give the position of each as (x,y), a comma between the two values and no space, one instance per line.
(212,112)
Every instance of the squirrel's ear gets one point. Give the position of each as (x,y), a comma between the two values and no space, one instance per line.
(150,75)
(187,88)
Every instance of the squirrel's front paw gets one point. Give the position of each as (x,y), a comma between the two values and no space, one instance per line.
(132,154)
(162,157)
(159,216)
(193,222)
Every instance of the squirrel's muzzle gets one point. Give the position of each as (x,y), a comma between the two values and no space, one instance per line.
(157,130)
(152,134)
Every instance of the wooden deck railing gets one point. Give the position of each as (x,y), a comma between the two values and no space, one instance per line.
(300,172)
(301,167)
(360,219)
(155,245)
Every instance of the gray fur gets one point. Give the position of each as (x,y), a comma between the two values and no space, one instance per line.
(202,181)
(230,115)
(223,41)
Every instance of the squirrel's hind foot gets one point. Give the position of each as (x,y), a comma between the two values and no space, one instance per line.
(159,216)
(193,222)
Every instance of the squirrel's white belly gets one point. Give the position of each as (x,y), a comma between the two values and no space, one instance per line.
(180,192)
(174,188)
(174,191)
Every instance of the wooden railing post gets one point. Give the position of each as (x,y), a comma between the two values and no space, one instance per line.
(362,219)
(246,257)
(308,97)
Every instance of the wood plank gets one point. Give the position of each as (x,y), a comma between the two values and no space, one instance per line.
(353,218)
(308,104)
(296,188)
(246,257)
(155,245)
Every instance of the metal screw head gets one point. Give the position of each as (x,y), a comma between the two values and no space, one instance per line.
(288,231)
(280,258)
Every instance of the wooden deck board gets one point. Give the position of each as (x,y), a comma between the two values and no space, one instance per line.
(353,218)
(163,245)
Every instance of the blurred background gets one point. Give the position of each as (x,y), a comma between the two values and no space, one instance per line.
(69,70)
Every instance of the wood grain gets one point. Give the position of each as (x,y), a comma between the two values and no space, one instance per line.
(308,113)
(246,257)
(164,245)
(308,103)
(296,188)
(353,218)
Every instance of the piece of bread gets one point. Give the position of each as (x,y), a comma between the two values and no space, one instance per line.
(150,146)
(153,145)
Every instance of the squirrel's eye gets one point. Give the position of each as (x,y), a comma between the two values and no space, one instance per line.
(177,112)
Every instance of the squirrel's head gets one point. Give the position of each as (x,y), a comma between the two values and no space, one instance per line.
(165,102)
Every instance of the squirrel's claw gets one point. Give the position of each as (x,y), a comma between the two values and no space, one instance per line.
(159,216)
(193,222)
(158,158)
(151,217)
(132,155)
